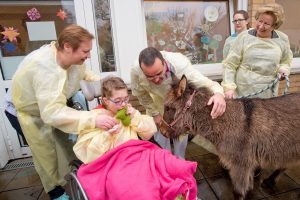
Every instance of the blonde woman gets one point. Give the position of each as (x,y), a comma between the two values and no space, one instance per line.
(258,56)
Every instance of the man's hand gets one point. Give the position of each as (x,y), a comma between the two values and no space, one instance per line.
(105,122)
(219,105)
(229,94)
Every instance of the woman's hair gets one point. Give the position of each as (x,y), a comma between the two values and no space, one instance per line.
(275,10)
(245,15)
(112,83)
(73,35)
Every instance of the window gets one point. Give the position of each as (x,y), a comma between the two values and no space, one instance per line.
(291,25)
(104,32)
(197,29)
(27,25)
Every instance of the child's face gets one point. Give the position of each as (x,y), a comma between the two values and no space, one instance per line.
(118,100)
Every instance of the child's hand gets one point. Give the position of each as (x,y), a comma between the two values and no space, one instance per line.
(130,110)
(115,129)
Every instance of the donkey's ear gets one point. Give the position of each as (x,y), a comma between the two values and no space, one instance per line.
(181,86)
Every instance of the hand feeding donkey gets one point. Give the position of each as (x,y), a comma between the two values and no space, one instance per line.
(251,133)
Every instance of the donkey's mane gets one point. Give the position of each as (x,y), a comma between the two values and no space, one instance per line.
(202,92)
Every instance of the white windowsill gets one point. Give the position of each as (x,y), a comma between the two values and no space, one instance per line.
(214,71)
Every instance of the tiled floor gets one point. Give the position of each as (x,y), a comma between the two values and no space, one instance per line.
(213,181)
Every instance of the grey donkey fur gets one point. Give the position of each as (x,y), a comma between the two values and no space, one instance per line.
(251,133)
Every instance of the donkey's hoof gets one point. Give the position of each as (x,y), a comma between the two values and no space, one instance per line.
(268,183)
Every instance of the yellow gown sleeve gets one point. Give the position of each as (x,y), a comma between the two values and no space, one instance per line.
(52,103)
(227,45)
(91,144)
(287,55)
(144,125)
(232,62)
(184,66)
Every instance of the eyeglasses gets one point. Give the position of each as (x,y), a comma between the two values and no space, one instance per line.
(158,75)
(119,101)
(238,21)
(264,24)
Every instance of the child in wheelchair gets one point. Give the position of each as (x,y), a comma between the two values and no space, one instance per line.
(93,143)
(117,165)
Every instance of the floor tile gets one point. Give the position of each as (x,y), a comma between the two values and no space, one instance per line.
(198,175)
(283,184)
(294,173)
(204,191)
(209,164)
(30,193)
(193,149)
(222,186)
(26,177)
(291,195)
(6,177)
(44,196)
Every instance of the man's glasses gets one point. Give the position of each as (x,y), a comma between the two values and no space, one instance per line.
(237,21)
(119,101)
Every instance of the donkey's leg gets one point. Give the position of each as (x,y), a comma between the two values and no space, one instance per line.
(270,181)
(241,180)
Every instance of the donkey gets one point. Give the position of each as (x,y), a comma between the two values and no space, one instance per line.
(251,133)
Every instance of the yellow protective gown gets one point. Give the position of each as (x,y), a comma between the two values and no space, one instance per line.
(228,43)
(93,143)
(253,63)
(152,96)
(40,88)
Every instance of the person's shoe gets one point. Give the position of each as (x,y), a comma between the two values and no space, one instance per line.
(63,197)
(257,172)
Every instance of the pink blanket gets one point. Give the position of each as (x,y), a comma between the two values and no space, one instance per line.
(138,170)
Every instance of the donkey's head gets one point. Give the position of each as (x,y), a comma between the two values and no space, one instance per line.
(182,103)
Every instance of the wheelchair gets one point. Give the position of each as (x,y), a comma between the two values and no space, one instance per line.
(89,92)
(76,190)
